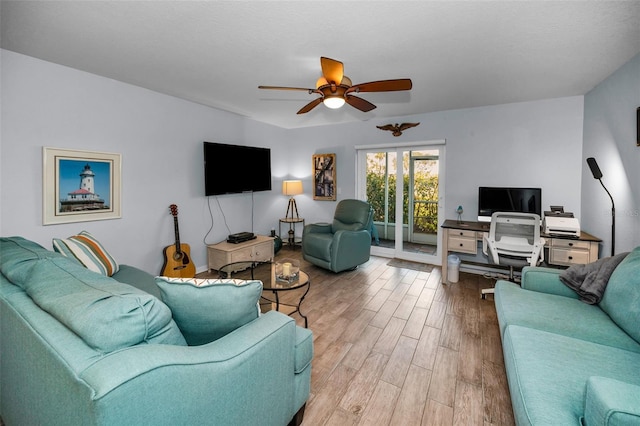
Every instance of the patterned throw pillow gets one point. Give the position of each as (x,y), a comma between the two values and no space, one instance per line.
(88,251)
(207,309)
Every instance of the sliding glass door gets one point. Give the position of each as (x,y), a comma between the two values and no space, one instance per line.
(404,186)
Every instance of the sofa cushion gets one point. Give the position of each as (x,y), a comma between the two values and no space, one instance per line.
(137,278)
(611,402)
(88,251)
(17,255)
(105,313)
(558,314)
(621,299)
(206,310)
(548,373)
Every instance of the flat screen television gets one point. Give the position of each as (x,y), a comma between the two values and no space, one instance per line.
(233,169)
(502,199)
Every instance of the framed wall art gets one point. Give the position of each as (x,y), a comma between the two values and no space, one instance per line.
(324,177)
(79,186)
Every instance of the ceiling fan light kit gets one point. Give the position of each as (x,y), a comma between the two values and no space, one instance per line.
(336,89)
(333,102)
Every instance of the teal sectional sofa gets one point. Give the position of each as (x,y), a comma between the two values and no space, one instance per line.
(568,362)
(81,348)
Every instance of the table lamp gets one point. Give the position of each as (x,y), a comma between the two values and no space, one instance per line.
(291,188)
(597,174)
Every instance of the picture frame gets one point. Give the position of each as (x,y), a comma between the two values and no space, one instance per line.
(638,126)
(80,186)
(324,177)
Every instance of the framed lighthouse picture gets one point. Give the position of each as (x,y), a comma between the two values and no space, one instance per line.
(79,186)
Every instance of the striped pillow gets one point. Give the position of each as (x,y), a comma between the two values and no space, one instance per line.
(88,251)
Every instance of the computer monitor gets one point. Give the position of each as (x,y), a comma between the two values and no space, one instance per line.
(506,199)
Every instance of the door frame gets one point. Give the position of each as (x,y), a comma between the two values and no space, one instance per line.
(361,193)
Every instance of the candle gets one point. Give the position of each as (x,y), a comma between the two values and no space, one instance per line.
(286,269)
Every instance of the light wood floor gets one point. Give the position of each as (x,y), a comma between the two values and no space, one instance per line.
(394,346)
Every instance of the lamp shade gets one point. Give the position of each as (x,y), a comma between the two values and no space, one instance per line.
(292,187)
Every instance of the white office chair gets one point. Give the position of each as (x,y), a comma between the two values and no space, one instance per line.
(513,240)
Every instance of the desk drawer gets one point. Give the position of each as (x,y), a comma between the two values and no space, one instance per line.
(463,244)
(462,233)
(562,256)
(570,244)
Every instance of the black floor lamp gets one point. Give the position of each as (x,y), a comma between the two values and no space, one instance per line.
(597,174)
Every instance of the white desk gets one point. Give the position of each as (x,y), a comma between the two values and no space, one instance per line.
(463,237)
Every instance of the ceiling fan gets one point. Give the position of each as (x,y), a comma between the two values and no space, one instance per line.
(335,88)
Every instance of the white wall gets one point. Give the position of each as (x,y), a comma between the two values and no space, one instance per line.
(610,137)
(160,139)
(532,144)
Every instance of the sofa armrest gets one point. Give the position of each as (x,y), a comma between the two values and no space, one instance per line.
(350,247)
(611,402)
(545,280)
(251,366)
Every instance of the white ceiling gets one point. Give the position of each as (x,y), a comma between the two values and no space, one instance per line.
(459,54)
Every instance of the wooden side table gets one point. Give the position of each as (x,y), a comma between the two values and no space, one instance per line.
(290,238)
(260,249)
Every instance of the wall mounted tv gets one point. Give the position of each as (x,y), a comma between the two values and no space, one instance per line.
(501,199)
(232,169)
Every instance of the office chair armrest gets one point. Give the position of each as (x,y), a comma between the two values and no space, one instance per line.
(545,280)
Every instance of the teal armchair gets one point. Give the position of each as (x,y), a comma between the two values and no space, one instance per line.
(343,244)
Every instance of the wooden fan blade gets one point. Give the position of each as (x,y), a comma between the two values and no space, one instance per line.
(332,70)
(311,105)
(359,103)
(287,88)
(382,86)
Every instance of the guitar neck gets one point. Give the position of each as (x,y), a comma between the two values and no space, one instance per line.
(177,233)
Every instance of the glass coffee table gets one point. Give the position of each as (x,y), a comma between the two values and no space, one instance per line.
(266,272)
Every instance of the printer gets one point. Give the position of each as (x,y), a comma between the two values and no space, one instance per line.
(557,222)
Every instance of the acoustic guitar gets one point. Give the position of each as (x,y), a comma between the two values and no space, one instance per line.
(177,257)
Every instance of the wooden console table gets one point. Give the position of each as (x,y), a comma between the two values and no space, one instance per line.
(463,237)
(260,249)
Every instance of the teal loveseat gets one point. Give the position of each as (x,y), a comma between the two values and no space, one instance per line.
(69,357)
(569,362)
